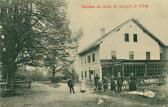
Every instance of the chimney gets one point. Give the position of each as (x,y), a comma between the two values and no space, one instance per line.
(103,31)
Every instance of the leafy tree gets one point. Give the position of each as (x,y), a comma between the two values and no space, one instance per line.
(33,32)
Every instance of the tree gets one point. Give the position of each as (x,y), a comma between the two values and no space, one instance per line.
(32,31)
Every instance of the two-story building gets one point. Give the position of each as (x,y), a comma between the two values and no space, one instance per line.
(128,48)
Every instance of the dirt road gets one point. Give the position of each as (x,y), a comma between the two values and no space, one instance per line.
(43,95)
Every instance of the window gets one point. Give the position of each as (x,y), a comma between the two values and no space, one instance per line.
(85,74)
(93,57)
(126,37)
(89,59)
(131,55)
(82,74)
(136,69)
(155,69)
(135,38)
(148,55)
(161,56)
(113,55)
(91,71)
(85,59)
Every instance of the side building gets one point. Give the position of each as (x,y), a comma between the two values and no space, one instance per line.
(128,48)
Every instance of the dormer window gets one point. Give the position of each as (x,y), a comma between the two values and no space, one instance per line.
(126,37)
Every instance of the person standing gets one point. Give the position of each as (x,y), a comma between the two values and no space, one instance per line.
(119,82)
(132,83)
(99,86)
(71,85)
(105,84)
(112,83)
(96,80)
(83,87)
(116,86)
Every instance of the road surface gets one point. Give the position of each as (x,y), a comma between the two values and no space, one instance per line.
(44,95)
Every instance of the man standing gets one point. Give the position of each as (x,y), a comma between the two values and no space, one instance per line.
(96,79)
(99,86)
(119,82)
(71,85)
(112,83)
(105,84)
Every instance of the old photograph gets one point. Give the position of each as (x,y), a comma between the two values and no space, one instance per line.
(83,53)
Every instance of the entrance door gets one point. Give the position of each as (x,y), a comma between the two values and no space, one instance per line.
(90,74)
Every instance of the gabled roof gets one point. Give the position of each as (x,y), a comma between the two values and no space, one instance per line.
(98,41)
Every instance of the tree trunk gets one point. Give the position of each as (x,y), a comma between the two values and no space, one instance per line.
(53,76)
(9,90)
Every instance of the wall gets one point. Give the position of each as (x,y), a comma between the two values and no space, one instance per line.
(92,66)
(116,41)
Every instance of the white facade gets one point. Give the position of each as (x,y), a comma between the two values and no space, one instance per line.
(139,45)
(92,65)
(116,42)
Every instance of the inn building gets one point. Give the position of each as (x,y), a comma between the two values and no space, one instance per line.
(128,48)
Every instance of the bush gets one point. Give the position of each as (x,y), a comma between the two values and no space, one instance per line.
(35,74)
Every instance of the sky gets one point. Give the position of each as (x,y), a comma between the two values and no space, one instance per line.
(154,16)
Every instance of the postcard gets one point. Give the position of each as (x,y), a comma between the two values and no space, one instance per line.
(83,53)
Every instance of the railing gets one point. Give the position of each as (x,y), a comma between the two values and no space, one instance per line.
(142,81)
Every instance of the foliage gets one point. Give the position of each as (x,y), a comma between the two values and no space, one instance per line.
(34,73)
(34,33)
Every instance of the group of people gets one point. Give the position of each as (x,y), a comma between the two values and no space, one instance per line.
(117,84)
(98,84)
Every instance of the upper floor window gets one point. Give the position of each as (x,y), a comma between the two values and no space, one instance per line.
(126,37)
(113,55)
(93,57)
(131,55)
(89,59)
(135,37)
(148,55)
(161,56)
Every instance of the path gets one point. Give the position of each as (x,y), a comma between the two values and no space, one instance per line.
(42,95)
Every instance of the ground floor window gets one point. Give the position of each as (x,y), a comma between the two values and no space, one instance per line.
(156,69)
(118,70)
(136,69)
(85,74)
(108,71)
(82,74)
